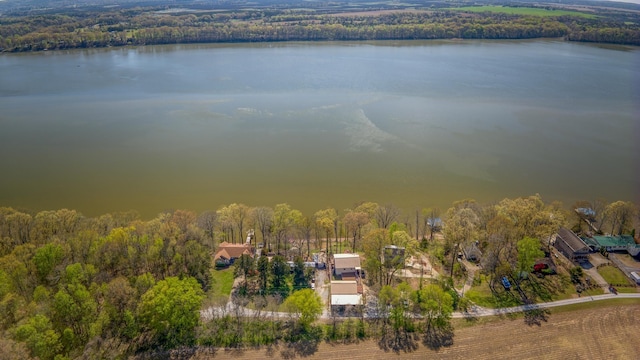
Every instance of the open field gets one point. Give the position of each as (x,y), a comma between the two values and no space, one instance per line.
(584,332)
(524,11)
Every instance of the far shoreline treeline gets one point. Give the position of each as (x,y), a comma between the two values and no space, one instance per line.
(155,25)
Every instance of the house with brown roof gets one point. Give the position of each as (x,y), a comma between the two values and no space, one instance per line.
(227,253)
(571,246)
(345,293)
(346,265)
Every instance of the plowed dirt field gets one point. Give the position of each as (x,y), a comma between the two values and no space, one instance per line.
(609,332)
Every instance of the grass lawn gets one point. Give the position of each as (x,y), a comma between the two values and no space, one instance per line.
(613,275)
(482,295)
(627,289)
(550,288)
(221,282)
(523,11)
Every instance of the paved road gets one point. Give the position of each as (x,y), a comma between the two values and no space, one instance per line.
(476,311)
(480,311)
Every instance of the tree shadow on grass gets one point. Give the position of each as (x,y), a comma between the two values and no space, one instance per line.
(399,341)
(536,316)
(436,338)
(505,300)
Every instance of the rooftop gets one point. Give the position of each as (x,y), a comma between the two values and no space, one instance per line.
(346,261)
(229,251)
(346,299)
(572,240)
(345,256)
(609,241)
(344,287)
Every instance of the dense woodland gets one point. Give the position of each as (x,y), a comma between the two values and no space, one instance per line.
(73,286)
(67,28)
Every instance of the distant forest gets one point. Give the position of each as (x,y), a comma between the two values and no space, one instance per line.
(34,26)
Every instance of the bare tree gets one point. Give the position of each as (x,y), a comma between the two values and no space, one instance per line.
(386,214)
(207,222)
(305,228)
(354,221)
(431,220)
(264,219)
(621,215)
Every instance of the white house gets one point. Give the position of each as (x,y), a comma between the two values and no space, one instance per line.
(346,264)
(345,293)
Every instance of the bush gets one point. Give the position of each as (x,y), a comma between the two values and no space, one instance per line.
(576,274)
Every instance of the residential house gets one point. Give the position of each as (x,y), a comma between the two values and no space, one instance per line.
(613,243)
(345,293)
(346,265)
(571,246)
(227,253)
(393,255)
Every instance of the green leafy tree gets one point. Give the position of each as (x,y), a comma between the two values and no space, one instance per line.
(307,304)
(299,276)
(373,246)
(243,267)
(170,309)
(197,262)
(75,308)
(19,271)
(279,271)
(264,267)
(462,223)
(398,301)
(528,252)
(41,340)
(46,259)
(576,274)
(436,306)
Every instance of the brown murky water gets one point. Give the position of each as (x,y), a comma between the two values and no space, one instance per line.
(417,124)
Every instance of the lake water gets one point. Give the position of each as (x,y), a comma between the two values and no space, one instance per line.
(416,124)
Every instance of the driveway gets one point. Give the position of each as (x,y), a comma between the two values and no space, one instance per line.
(322,289)
(625,263)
